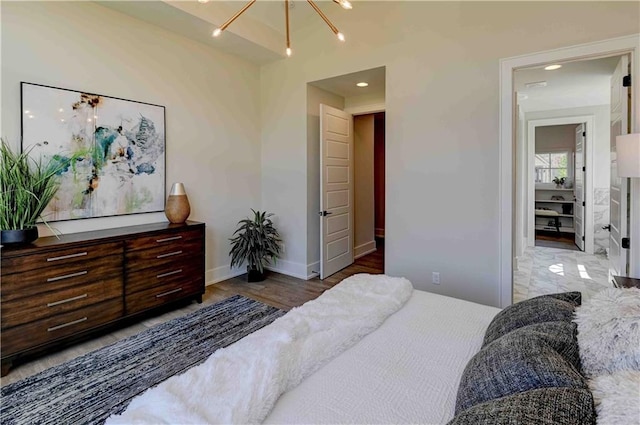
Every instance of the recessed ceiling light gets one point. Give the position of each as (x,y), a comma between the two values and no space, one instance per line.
(362,84)
(552,67)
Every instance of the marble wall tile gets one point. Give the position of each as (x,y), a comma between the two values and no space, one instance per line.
(601,196)
(600,236)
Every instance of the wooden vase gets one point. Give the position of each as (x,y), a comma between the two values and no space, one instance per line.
(178,208)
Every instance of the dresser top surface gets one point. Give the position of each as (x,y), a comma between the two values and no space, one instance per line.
(118,233)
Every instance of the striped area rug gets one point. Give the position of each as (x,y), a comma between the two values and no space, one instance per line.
(92,387)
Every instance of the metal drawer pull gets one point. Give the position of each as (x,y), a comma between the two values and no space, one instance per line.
(169,273)
(64,325)
(169,254)
(64,257)
(173,238)
(164,294)
(68,300)
(67,276)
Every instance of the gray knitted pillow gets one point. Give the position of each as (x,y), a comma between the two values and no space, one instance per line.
(545,308)
(544,406)
(536,356)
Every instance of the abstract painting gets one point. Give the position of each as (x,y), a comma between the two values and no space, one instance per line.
(113,151)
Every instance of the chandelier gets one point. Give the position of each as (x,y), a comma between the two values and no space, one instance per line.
(344,3)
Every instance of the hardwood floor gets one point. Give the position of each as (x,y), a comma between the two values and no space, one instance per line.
(277,290)
(553,240)
(286,292)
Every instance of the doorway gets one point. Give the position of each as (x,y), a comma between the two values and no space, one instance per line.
(563,177)
(512,197)
(349,186)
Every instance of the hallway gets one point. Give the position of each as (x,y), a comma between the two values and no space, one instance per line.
(544,270)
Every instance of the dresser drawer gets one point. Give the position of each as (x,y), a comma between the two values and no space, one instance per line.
(185,252)
(162,294)
(175,271)
(59,258)
(35,282)
(172,240)
(24,310)
(50,329)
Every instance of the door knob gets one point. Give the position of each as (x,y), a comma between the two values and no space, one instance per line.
(324,213)
(607,227)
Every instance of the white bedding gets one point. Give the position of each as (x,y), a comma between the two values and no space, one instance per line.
(241,383)
(407,371)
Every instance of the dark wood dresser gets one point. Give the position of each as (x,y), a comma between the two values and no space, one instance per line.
(58,291)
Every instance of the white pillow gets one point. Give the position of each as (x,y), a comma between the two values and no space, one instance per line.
(609,331)
(617,398)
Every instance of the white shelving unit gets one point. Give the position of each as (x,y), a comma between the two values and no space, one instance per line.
(561,222)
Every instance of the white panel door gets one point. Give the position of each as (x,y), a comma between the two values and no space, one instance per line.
(336,190)
(579,173)
(618,203)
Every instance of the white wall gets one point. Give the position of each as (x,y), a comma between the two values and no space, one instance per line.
(556,137)
(364,202)
(211,100)
(601,173)
(442,101)
(367,103)
(315,96)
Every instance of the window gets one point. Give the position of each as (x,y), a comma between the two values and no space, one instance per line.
(550,165)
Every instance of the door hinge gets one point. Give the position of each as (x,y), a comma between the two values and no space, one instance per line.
(626,81)
(583,239)
(584,134)
(584,169)
(626,243)
(583,204)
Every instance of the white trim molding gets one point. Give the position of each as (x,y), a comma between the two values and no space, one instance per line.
(364,249)
(290,268)
(218,274)
(617,46)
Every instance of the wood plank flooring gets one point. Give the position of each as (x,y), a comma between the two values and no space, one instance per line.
(286,292)
(277,290)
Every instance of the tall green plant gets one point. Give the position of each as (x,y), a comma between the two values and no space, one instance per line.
(256,241)
(26,187)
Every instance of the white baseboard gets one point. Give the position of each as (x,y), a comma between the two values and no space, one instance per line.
(218,274)
(221,273)
(379,233)
(364,249)
(290,269)
(313,270)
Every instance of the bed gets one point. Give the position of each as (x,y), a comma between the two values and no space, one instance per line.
(417,354)
(374,350)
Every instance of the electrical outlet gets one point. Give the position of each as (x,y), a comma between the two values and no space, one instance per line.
(435,278)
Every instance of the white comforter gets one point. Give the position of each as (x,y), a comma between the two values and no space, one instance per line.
(241,383)
(406,372)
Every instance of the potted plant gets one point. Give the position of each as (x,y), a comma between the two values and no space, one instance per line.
(257,242)
(26,188)
(559,181)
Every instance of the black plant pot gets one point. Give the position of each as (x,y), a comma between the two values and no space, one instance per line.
(254,275)
(18,237)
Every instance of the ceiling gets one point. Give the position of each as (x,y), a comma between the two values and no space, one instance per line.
(271,12)
(576,84)
(258,35)
(345,85)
